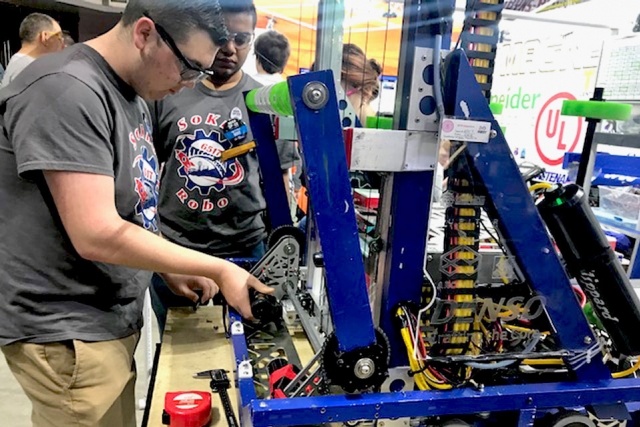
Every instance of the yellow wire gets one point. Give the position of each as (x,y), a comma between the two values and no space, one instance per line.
(627,372)
(424,380)
(543,362)
(521,329)
(540,185)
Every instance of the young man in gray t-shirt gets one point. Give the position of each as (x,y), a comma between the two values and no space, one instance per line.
(78,211)
(208,202)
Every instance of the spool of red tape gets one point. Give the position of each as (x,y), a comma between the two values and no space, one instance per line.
(187,409)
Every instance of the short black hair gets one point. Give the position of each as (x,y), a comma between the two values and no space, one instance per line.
(272,51)
(180,17)
(240,6)
(33,25)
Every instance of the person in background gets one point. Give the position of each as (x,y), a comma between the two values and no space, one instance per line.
(209,202)
(360,78)
(78,211)
(68,40)
(40,34)
(272,54)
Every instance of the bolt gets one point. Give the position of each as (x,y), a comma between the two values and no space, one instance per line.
(376,415)
(545,250)
(417,120)
(493,133)
(364,368)
(424,57)
(588,340)
(529,400)
(340,362)
(377,407)
(316,95)
(323,410)
(420,89)
(289,249)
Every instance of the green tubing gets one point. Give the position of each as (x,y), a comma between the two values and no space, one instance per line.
(272,99)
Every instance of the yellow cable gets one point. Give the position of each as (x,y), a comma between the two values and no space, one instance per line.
(521,329)
(540,185)
(424,380)
(627,372)
(543,362)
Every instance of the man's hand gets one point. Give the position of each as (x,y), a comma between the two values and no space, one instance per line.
(184,285)
(234,285)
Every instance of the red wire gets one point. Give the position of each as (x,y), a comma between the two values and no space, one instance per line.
(581,294)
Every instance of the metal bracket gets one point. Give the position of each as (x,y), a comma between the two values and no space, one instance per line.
(245,371)
(279,267)
(237,328)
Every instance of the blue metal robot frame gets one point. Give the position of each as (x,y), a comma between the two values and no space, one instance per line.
(322,145)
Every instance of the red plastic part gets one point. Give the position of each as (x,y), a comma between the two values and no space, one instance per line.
(188,408)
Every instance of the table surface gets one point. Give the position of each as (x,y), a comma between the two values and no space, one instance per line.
(195,342)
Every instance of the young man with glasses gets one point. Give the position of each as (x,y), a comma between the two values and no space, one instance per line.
(78,211)
(209,202)
(40,35)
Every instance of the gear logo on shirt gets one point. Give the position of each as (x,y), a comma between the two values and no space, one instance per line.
(201,162)
(147,186)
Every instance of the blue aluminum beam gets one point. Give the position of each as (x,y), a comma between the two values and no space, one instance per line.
(317,410)
(509,201)
(329,189)
(275,192)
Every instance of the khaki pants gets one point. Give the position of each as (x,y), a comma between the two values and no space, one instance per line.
(76,383)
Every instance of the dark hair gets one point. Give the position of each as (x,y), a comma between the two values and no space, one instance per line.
(272,51)
(179,17)
(33,25)
(360,72)
(68,39)
(240,6)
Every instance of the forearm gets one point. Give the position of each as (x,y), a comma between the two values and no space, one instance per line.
(131,245)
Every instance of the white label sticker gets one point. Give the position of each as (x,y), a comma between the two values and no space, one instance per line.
(465,130)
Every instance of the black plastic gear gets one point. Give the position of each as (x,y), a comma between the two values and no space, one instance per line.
(286,230)
(339,367)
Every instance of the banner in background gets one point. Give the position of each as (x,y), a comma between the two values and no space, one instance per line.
(537,68)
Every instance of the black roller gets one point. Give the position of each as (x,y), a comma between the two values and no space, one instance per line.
(593,263)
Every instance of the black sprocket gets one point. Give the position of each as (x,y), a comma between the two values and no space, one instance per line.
(341,368)
(286,230)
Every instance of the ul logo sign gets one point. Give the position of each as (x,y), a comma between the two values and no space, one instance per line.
(555,134)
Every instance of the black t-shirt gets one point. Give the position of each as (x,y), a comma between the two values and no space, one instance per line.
(207,203)
(70,112)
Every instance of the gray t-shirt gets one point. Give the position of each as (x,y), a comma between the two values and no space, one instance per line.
(17,63)
(70,112)
(206,203)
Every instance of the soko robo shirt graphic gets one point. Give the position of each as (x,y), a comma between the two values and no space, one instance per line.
(202,162)
(202,165)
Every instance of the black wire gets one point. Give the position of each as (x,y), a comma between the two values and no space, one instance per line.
(224,320)
(465,25)
(483,225)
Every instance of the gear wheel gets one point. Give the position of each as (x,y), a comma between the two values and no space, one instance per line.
(283,231)
(357,370)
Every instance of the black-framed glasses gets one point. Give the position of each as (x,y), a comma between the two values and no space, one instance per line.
(240,40)
(190,71)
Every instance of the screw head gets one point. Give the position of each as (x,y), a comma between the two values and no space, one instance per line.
(588,340)
(316,95)
(364,368)
(493,133)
